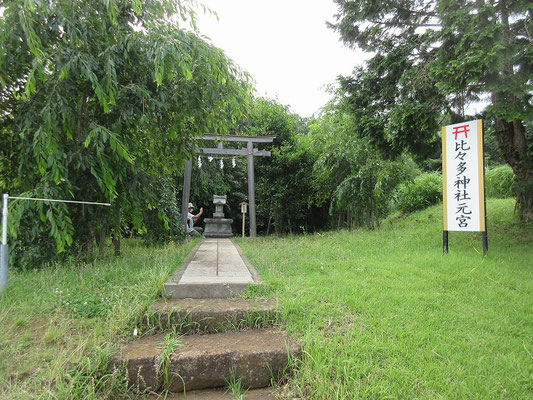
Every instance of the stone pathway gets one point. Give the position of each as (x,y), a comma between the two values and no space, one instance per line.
(216,261)
(216,270)
(225,337)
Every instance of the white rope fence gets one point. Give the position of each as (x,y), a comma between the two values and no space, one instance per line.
(4,247)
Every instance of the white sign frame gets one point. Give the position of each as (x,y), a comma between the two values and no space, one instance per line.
(463,177)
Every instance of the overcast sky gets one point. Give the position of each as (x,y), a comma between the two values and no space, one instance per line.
(285,45)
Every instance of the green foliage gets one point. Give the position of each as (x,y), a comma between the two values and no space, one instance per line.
(284,190)
(461,45)
(170,342)
(500,182)
(286,196)
(163,221)
(99,99)
(394,108)
(28,246)
(494,156)
(433,58)
(83,304)
(354,181)
(367,192)
(423,191)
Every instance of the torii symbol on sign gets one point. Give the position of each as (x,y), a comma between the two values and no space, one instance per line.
(460,129)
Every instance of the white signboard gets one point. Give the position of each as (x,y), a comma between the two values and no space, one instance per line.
(463,177)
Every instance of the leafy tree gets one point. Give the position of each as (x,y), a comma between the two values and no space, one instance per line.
(353,180)
(284,193)
(99,102)
(432,56)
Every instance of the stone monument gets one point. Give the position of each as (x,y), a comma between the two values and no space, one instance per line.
(218,226)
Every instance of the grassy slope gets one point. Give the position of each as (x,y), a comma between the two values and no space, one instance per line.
(380,314)
(385,315)
(59,325)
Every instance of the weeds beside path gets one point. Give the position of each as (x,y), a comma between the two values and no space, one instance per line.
(380,314)
(385,314)
(58,325)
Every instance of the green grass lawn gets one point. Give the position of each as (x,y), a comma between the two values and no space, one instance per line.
(386,315)
(379,314)
(59,325)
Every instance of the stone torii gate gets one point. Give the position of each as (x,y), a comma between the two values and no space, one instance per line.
(249,152)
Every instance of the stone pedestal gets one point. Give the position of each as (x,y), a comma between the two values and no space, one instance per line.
(218,226)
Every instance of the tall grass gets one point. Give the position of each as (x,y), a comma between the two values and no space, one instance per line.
(426,189)
(423,191)
(384,314)
(499,182)
(59,325)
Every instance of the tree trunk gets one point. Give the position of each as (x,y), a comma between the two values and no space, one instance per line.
(88,243)
(268,225)
(512,137)
(376,213)
(278,228)
(512,140)
(524,199)
(116,244)
(101,240)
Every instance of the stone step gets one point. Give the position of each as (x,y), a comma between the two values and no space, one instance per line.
(188,316)
(222,290)
(218,394)
(207,361)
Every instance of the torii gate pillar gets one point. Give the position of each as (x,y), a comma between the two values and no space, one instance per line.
(186,193)
(251,189)
(249,152)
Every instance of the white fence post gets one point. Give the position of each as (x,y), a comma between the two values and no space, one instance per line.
(4,247)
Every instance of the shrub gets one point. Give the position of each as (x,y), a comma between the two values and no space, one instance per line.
(500,182)
(424,191)
(163,221)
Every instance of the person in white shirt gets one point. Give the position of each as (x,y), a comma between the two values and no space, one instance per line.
(191,219)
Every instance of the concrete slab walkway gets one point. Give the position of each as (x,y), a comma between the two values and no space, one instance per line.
(222,338)
(216,269)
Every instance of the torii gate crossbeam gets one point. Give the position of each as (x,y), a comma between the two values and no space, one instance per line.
(249,152)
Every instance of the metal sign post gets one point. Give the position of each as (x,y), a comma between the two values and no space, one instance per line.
(4,253)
